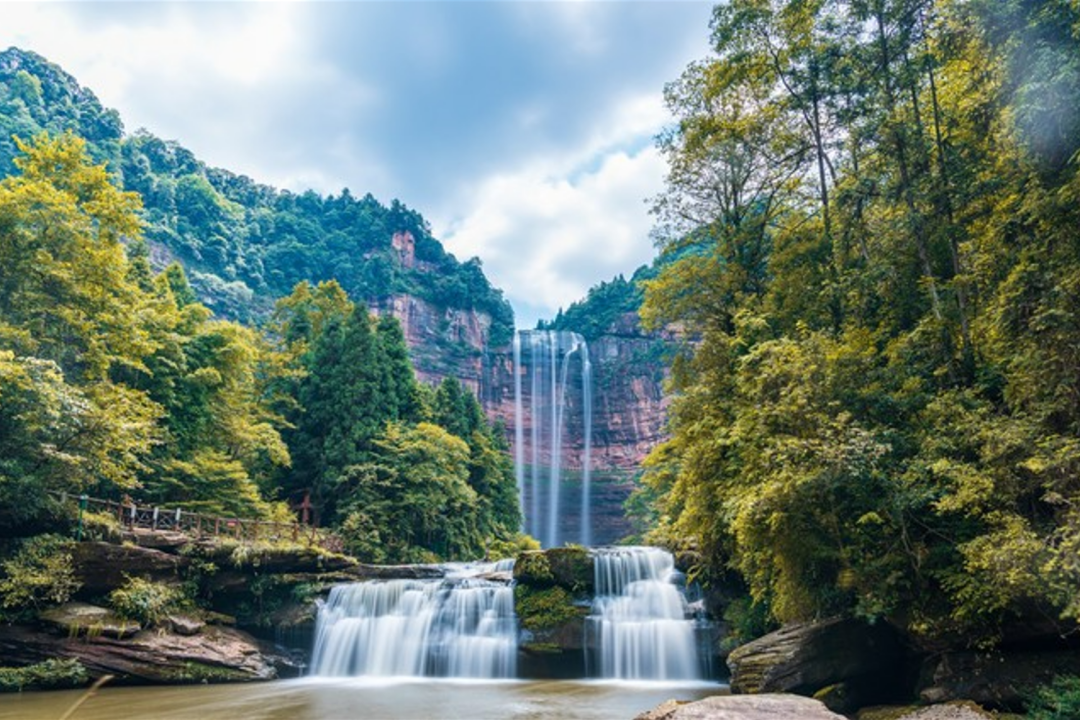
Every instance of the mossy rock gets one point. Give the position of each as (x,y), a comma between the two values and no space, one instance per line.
(532,568)
(544,609)
(197,672)
(572,568)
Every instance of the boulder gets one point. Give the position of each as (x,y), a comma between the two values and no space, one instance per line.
(167,540)
(997,679)
(75,619)
(805,658)
(185,624)
(743,707)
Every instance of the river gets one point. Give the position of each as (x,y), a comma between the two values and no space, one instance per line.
(310,699)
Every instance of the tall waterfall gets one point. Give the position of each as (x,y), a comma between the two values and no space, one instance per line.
(543,365)
(458,626)
(641,626)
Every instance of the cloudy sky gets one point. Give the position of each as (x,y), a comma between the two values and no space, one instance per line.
(523,131)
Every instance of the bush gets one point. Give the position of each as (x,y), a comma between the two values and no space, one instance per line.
(39,574)
(1059,700)
(51,674)
(144,601)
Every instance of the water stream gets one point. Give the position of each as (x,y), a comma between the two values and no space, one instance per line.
(546,364)
(641,627)
(460,626)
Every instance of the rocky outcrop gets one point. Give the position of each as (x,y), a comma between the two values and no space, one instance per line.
(443,342)
(805,658)
(552,596)
(743,707)
(76,619)
(216,654)
(101,567)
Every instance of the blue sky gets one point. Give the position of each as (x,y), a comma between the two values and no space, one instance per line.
(523,131)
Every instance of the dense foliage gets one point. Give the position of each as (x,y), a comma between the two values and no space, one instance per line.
(116,381)
(244,244)
(880,414)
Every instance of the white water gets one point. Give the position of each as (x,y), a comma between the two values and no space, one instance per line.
(547,356)
(641,627)
(459,626)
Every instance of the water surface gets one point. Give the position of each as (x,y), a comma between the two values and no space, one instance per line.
(408,699)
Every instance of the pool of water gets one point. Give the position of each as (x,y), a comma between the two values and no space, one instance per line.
(408,699)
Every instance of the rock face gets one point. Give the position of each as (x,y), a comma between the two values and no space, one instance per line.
(629,412)
(994,679)
(216,654)
(743,707)
(443,342)
(805,658)
(101,567)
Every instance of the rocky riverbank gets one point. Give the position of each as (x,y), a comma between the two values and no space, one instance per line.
(239,611)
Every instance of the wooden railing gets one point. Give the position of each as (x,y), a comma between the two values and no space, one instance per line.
(198,525)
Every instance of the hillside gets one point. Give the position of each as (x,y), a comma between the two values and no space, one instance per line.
(245,244)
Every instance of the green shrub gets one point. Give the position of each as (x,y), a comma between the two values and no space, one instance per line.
(145,601)
(39,574)
(1058,700)
(546,609)
(51,674)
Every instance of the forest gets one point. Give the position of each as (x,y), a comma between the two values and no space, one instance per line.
(244,244)
(115,381)
(873,210)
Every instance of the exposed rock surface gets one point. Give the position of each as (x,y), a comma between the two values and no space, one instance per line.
(743,707)
(78,619)
(102,567)
(215,654)
(807,657)
(442,342)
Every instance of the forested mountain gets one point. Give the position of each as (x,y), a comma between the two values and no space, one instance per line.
(882,414)
(245,244)
(117,381)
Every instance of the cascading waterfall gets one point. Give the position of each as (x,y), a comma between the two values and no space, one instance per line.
(547,358)
(641,627)
(460,626)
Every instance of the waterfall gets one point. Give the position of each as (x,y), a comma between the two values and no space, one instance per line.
(548,359)
(640,627)
(461,625)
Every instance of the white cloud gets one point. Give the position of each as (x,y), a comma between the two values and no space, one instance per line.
(547,239)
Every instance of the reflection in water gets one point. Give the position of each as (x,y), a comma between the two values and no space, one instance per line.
(350,699)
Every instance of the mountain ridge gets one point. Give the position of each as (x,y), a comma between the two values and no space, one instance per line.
(244,243)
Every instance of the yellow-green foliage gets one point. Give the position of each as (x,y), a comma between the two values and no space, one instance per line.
(533,568)
(145,601)
(39,574)
(878,414)
(544,609)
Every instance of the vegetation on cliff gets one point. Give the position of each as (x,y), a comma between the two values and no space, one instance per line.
(245,244)
(881,416)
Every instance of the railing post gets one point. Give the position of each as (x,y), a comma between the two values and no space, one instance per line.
(83,499)
(153,523)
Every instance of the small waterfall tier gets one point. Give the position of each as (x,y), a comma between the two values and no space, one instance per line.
(641,627)
(553,435)
(458,626)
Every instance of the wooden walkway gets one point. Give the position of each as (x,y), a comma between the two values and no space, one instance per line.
(198,525)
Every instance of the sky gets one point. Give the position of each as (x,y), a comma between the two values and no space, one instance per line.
(524,132)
